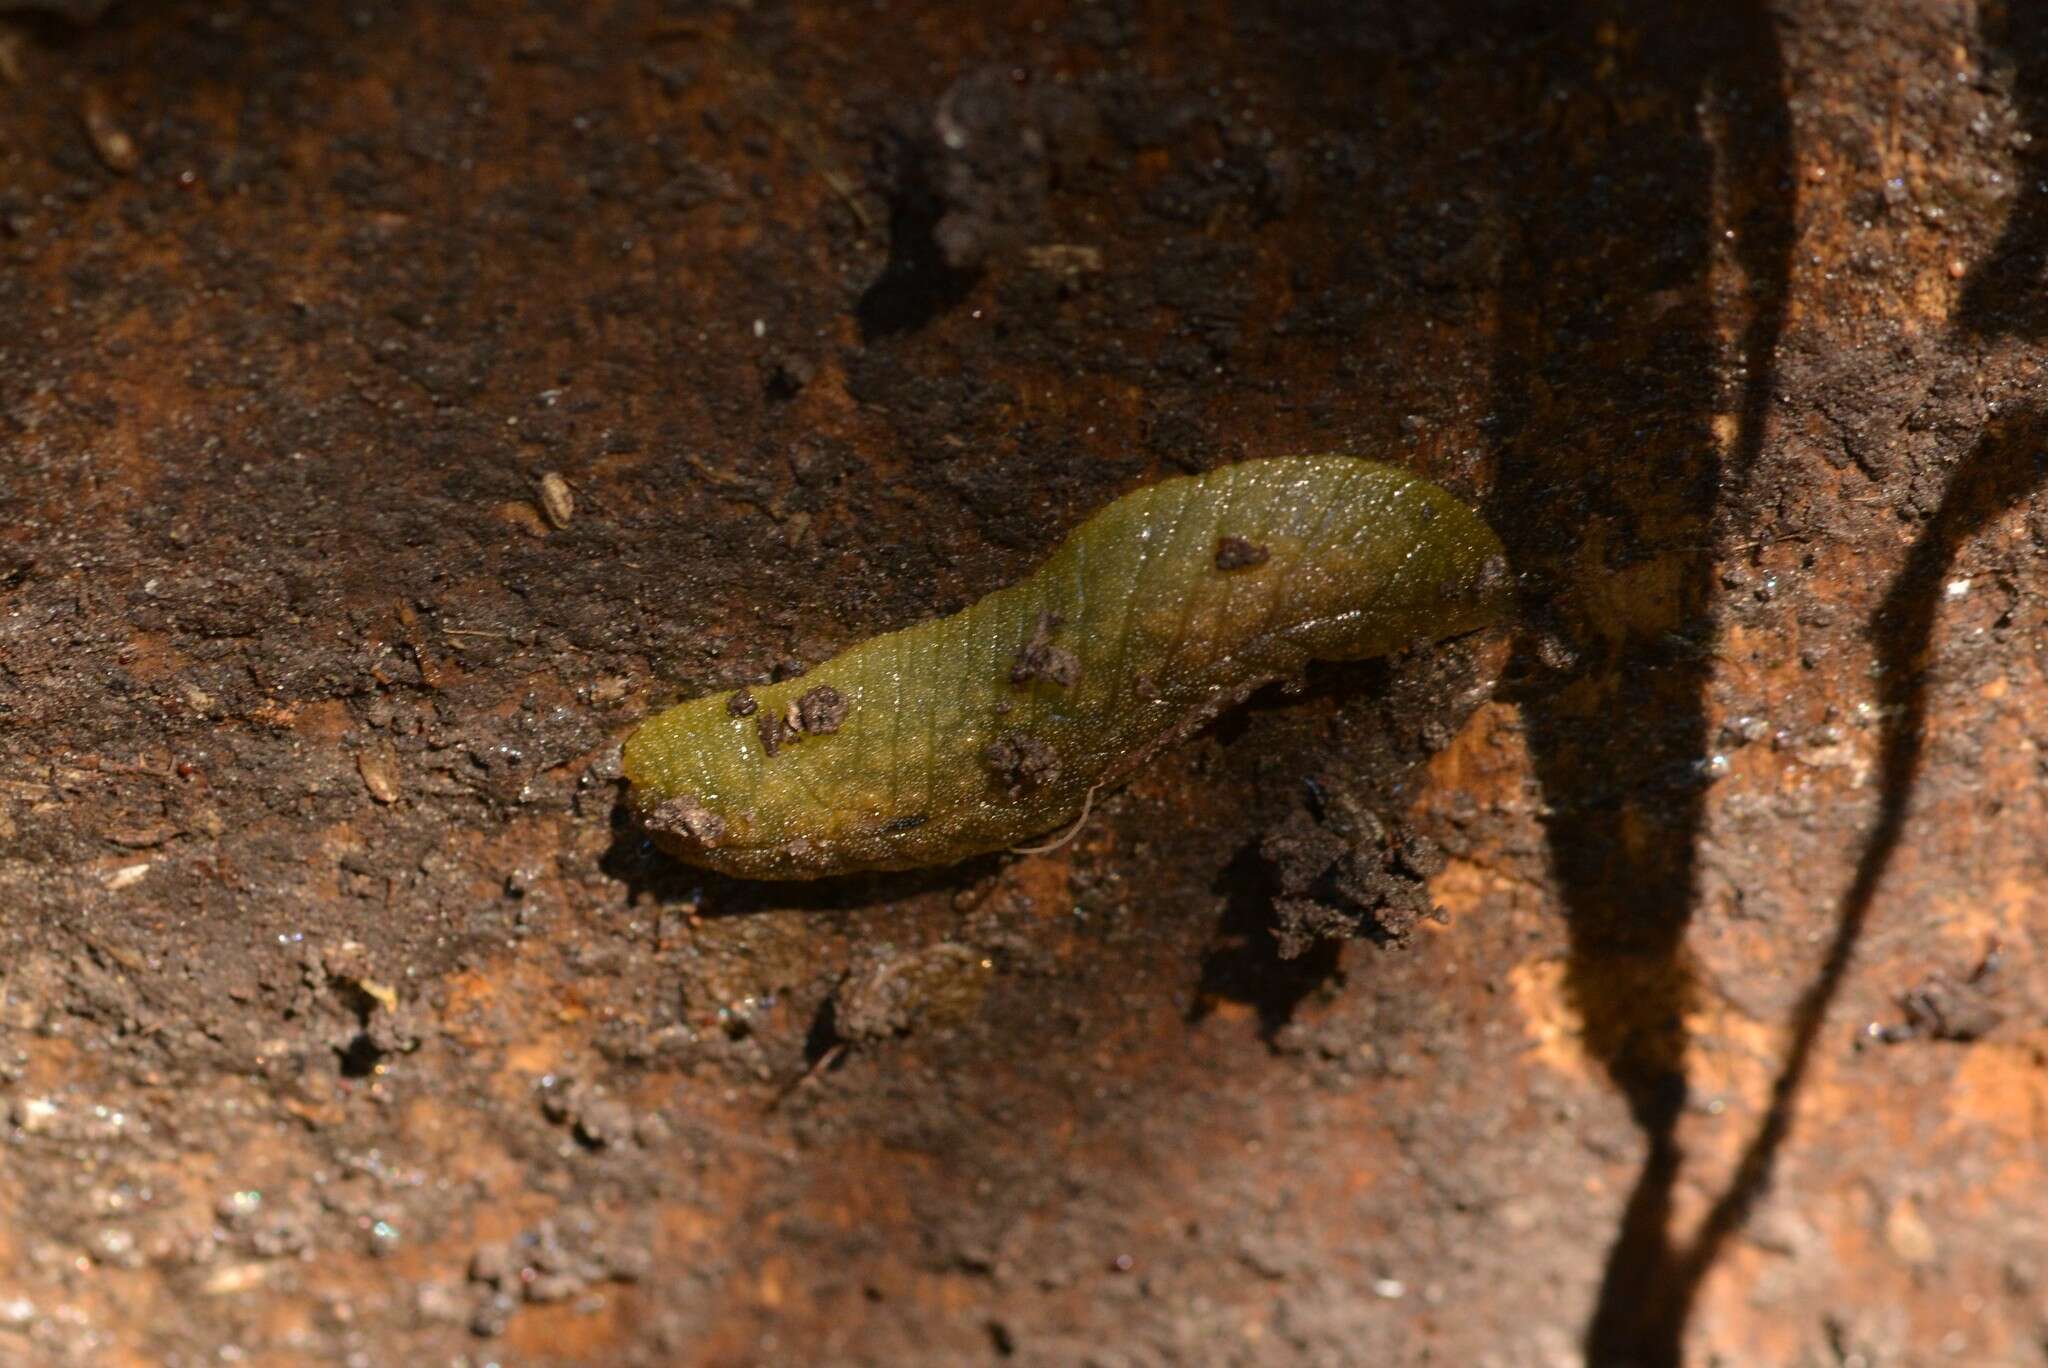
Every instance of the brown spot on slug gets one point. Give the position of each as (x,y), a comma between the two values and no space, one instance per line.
(776,733)
(821,710)
(1235,553)
(1021,764)
(1038,658)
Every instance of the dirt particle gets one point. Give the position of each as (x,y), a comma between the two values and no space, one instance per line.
(440,1303)
(1021,764)
(126,875)
(741,704)
(555,499)
(493,1315)
(1235,553)
(521,515)
(785,374)
(378,765)
(606,764)
(940,985)
(822,710)
(776,732)
(1907,1235)
(1493,576)
(1345,875)
(1038,658)
(1067,262)
(1944,1006)
(146,837)
(32,1115)
(1556,652)
(997,142)
(115,147)
(685,817)
(492,1263)
(553,1287)
(597,1119)
(555,1261)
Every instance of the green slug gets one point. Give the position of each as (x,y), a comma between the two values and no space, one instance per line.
(973,732)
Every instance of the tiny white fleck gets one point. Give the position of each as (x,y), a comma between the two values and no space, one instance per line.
(127,874)
(1393,1289)
(1956,588)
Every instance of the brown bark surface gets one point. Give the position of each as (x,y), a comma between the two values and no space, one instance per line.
(399,401)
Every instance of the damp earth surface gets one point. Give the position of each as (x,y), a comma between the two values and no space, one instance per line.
(399,403)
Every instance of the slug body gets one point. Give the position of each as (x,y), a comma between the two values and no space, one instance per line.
(974,732)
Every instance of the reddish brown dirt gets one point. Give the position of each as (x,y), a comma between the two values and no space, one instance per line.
(344,1020)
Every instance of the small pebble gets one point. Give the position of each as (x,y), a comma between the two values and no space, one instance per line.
(556,500)
(115,148)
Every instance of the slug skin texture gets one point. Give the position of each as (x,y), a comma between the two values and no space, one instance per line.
(974,732)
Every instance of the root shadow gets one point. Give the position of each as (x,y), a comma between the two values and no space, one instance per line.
(1615,496)
(2007,465)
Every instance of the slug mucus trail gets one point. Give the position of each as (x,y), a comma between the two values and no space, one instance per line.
(974,732)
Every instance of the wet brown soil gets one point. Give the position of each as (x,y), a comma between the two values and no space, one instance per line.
(400,401)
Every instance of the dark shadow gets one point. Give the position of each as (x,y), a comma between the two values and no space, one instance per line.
(916,284)
(1405,696)
(2007,293)
(1333,681)
(1244,963)
(646,872)
(823,1036)
(360,1057)
(2007,465)
(1614,490)
(58,25)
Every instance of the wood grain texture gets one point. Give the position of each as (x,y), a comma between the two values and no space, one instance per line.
(976,731)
